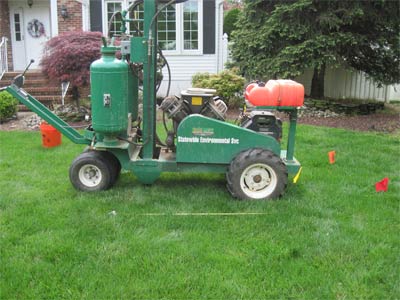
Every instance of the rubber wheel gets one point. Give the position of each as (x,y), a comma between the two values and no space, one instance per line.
(90,172)
(113,164)
(256,174)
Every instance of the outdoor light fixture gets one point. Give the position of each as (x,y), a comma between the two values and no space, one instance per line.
(30,3)
(64,12)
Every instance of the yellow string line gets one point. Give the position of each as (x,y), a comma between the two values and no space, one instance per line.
(205,214)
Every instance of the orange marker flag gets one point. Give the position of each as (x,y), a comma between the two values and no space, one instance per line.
(331,155)
(382,186)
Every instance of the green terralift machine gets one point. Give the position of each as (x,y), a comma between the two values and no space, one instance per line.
(200,140)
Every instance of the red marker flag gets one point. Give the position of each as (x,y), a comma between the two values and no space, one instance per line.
(382,186)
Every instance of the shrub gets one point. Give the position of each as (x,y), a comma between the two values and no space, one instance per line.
(68,57)
(230,21)
(228,85)
(8,106)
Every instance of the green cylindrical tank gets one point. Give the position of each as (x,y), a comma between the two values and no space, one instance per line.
(109,93)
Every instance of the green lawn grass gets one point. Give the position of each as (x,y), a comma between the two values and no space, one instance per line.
(330,237)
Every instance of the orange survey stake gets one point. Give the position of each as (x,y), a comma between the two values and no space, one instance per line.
(331,155)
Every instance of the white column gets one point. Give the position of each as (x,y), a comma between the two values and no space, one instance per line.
(53,18)
(219,34)
(225,50)
(85,14)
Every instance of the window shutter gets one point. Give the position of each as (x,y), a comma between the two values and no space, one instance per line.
(96,22)
(208,26)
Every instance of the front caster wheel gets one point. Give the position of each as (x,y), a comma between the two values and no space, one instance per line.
(256,174)
(90,172)
(113,164)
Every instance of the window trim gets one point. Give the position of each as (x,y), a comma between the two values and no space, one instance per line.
(178,25)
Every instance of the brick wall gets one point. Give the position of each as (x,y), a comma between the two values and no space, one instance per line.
(5,28)
(74,20)
(84,91)
(72,23)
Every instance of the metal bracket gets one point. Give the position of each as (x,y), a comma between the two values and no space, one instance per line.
(125,47)
(107,100)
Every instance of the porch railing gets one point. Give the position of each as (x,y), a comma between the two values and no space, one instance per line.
(3,56)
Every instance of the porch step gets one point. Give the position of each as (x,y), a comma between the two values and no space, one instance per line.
(39,86)
(51,90)
(29,74)
(37,83)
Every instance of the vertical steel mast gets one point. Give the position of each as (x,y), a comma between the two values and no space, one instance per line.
(149,77)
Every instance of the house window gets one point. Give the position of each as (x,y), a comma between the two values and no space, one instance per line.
(17,27)
(179,25)
(191,25)
(179,28)
(115,26)
(136,27)
(167,28)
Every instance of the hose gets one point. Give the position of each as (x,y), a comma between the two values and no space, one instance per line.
(168,69)
(110,22)
(161,55)
(132,6)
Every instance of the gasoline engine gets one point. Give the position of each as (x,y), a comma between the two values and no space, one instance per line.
(192,101)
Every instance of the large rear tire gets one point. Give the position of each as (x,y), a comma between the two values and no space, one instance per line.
(90,172)
(256,174)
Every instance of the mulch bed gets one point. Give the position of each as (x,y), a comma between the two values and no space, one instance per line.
(379,122)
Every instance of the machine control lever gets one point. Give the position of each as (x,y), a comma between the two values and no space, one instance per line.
(20,79)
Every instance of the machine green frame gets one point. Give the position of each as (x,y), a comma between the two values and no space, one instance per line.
(203,144)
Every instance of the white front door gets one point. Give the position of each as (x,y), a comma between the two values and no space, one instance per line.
(34,30)
(18,38)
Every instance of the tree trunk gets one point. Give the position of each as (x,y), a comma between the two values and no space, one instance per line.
(75,95)
(317,83)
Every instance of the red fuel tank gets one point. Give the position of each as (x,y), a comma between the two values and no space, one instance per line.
(276,93)
(248,90)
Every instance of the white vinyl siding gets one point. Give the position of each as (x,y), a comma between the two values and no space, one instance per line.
(183,67)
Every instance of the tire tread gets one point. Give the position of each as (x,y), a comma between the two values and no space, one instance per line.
(246,158)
